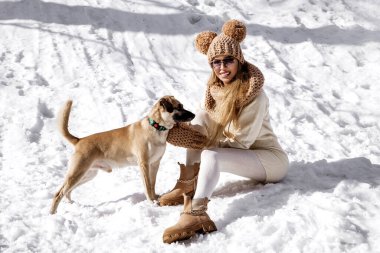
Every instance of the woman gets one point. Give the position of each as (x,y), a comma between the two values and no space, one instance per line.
(232,135)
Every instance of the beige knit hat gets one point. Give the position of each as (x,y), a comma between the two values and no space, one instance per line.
(226,43)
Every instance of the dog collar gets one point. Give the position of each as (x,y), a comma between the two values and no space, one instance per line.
(156,125)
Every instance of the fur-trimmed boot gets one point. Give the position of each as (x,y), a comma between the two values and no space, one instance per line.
(186,183)
(194,219)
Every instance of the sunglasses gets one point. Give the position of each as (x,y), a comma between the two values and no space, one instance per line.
(216,64)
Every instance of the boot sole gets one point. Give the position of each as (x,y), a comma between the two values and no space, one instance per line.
(187,233)
(174,202)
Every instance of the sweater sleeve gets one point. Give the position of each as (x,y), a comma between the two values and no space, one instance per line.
(250,123)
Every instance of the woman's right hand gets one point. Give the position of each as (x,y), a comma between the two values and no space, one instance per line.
(184,135)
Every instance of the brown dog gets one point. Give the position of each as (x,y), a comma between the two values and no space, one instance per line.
(142,143)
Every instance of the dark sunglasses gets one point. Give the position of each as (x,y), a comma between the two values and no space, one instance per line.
(226,62)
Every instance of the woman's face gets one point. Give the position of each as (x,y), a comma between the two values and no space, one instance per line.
(225,67)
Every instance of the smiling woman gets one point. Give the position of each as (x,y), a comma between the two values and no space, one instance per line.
(320,60)
(240,139)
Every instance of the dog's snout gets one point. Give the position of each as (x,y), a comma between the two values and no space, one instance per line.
(183,116)
(191,115)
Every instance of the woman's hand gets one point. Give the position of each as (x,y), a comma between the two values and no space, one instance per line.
(184,135)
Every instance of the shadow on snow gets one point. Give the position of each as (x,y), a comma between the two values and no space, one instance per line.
(182,22)
(303,179)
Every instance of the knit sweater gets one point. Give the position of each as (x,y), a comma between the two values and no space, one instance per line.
(254,128)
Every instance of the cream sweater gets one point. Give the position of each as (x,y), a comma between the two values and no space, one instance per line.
(255,133)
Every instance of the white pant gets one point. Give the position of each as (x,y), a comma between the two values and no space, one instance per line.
(241,162)
(213,161)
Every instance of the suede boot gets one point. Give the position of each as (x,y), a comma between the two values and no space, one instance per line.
(194,219)
(186,183)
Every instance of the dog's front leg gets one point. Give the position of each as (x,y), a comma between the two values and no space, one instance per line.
(153,169)
(145,174)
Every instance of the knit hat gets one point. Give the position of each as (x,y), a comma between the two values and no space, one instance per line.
(226,43)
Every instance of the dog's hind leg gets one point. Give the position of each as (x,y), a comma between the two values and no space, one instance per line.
(78,168)
(89,175)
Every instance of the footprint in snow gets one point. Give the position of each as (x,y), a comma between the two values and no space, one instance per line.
(9,75)
(194,18)
(210,2)
(193,2)
(33,134)
(39,80)
(2,57)
(19,57)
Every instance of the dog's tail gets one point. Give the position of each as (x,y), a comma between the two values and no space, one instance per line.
(64,122)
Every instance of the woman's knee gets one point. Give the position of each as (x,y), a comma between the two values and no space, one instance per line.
(210,156)
(209,167)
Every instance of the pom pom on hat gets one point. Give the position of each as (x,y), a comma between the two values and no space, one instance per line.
(203,41)
(235,29)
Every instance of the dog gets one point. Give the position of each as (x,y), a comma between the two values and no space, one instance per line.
(142,143)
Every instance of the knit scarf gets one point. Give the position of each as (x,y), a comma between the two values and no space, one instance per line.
(252,90)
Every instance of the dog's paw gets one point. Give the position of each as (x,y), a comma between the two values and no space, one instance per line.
(69,200)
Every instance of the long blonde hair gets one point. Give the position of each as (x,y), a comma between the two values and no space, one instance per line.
(226,111)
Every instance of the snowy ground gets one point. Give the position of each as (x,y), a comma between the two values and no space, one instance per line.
(321,60)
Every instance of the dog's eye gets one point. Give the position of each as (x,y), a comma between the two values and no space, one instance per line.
(180,107)
(167,105)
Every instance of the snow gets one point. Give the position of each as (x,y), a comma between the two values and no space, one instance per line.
(115,58)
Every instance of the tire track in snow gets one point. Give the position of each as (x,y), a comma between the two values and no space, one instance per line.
(2,130)
(96,72)
(287,73)
(8,73)
(339,109)
(87,56)
(56,50)
(233,6)
(130,65)
(93,70)
(173,89)
(119,94)
(302,121)
(2,57)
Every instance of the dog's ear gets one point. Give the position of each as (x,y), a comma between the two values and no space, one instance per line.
(167,105)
